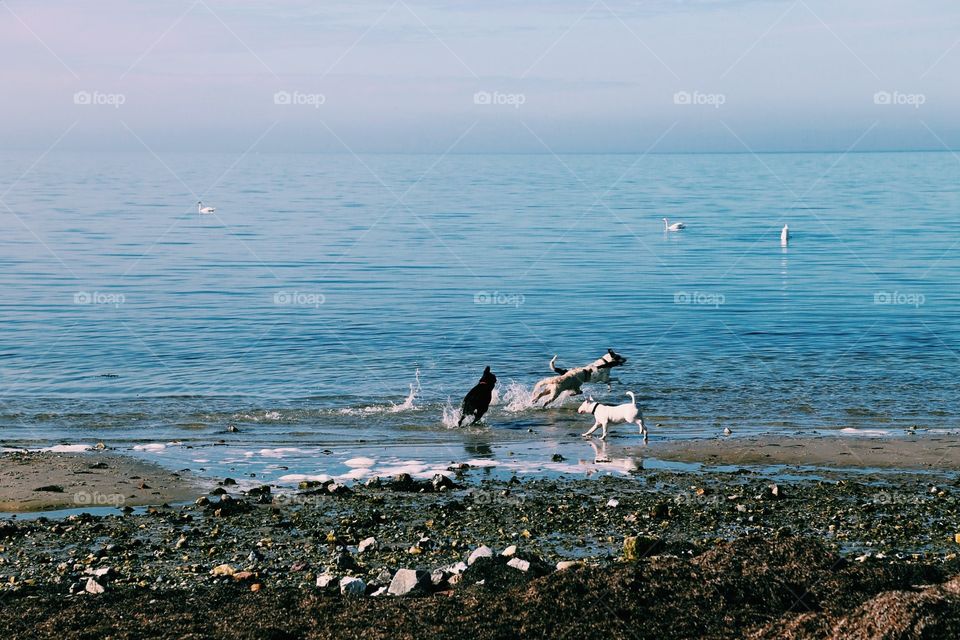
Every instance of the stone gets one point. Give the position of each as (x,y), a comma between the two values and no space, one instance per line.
(367,544)
(519,564)
(223,570)
(773,492)
(480,552)
(337,489)
(352,587)
(407,581)
(202,501)
(639,547)
(441,482)
(613,503)
(373,482)
(510,551)
(326,581)
(345,562)
(229,482)
(563,565)
(382,591)
(93,587)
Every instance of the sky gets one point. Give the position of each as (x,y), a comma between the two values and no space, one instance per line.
(434,76)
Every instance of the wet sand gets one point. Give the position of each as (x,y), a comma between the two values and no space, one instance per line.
(918,453)
(38,481)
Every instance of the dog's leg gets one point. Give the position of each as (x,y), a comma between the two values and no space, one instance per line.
(643,430)
(603,436)
(591,430)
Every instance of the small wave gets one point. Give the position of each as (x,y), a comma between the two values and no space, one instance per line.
(869,433)
(67,448)
(153,446)
(408,403)
(360,462)
(280,452)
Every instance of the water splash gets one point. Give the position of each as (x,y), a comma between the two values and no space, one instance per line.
(415,390)
(517,397)
(408,403)
(451,415)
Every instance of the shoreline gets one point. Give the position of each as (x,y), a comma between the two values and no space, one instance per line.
(44,481)
(927,453)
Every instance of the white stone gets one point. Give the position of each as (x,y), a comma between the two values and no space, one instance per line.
(93,587)
(519,565)
(510,551)
(350,586)
(613,503)
(480,552)
(563,565)
(367,544)
(325,581)
(406,581)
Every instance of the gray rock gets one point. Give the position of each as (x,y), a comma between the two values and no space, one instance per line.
(407,581)
(326,581)
(93,587)
(438,577)
(367,543)
(457,568)
(352,587)
(519,565)
(480,552)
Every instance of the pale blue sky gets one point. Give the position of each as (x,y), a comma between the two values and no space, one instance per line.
(402,75)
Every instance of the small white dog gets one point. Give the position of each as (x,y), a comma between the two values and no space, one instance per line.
(605,414)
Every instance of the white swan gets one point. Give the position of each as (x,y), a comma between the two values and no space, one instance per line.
(785,235)
(676,226)
(203,209)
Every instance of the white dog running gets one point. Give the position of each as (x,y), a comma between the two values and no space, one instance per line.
(605,414)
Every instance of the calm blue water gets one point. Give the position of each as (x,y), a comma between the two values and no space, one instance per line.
(302,311)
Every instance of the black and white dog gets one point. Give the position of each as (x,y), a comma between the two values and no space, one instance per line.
(477,400)
(572,380)
(604,414)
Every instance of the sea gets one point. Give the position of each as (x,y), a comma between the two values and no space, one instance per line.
(327,318)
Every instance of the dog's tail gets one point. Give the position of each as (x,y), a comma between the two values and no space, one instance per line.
(632,398)
(555,368)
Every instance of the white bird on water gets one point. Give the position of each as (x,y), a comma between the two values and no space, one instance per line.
(676,226)
(785,236)
(203,209)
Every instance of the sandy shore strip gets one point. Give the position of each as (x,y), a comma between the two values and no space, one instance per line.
(39,481)
(924,452)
